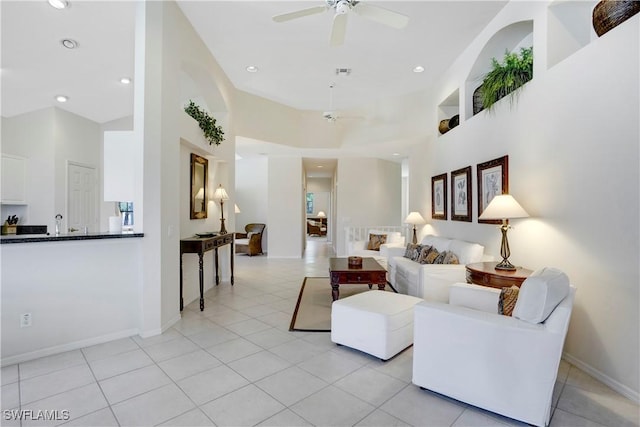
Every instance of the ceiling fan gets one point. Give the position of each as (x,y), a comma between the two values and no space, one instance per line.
(342,9)
(332,116)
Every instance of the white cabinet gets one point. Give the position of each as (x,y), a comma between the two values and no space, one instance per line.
(14,178)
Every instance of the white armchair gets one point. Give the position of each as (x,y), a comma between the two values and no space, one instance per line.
(507,365)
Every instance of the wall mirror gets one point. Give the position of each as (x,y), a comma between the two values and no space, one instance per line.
(199,168)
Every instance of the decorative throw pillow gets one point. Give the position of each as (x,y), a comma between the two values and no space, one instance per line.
(413,251)
(450,258)
(432,256)
(507,300)
(375,240)
(424,253)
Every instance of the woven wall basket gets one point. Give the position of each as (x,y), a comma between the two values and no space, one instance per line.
(477,100)
(443,127)
(609,14)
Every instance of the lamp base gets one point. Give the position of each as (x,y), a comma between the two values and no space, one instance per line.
(505,265)
(223,229)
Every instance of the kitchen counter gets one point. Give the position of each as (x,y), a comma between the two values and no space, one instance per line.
(33,238)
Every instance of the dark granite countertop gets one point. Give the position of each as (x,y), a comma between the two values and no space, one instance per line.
(33,238)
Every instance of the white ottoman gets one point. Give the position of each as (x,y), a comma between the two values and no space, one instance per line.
(377,322)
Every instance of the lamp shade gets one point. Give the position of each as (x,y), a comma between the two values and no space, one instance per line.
(237,209)
(220,193)
(321,214)
(414,218)
(503,206)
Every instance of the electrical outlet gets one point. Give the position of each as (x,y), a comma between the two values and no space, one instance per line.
(25,320)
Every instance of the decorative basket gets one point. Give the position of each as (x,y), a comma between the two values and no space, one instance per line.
(355,261)
(477,100)
(444,126)
(454,121)
(608,14)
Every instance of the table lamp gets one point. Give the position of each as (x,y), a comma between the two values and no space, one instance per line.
(221,195)
(321,214)
(504,207)
(414,218)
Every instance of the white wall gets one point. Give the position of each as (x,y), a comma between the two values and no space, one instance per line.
(368,193)
(572,140)
(49,139)
(252,194)
(285,207)
(81,293)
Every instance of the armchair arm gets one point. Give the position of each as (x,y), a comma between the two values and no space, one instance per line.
(474,296)
(241,235)
(393,251)
(434,280)
(386,249)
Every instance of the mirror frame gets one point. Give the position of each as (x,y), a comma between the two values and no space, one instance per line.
(197,161)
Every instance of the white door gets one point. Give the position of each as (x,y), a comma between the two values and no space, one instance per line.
(81,198)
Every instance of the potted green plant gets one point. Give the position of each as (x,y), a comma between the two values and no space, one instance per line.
(507,76)
(213,133)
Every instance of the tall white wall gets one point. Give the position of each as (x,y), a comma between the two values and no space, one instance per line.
(252,195)
(285,207)
(572,140)
(49,139)
(368,193)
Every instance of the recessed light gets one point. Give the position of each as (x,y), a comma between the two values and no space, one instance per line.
(59,4)
(125,80)
(418,69)
(69,43)
(62,98)
(252,69)
(396,154)
(320,166)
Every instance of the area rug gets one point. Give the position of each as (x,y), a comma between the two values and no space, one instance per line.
(313,310)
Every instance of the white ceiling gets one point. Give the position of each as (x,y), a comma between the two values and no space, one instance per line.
(296,64)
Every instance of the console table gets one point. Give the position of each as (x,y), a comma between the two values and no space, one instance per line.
(485,274)
(200,245)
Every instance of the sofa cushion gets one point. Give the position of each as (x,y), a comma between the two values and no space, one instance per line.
(540,293)
(446,257)
(440,243)
(467,252)
(375,240)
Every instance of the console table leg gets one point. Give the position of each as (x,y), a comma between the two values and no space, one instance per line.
(216,267)
(181,300)
(232,256)
(201,283)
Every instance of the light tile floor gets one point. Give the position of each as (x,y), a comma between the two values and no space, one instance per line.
(236,364)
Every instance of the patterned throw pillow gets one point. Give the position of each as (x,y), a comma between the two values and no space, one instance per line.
(446,257)
(432,256)
(425,253)
(375,240)
(413,251)
(507,300)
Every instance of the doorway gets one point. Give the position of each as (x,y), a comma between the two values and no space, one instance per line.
(82,198)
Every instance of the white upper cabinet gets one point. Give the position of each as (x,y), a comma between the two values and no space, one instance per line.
(14,177)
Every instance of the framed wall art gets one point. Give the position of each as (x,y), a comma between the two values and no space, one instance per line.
(461,194)
(493,179)
(439,196)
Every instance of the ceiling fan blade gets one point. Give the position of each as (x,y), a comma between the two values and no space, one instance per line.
(381,15)
(339,30)
(299,14)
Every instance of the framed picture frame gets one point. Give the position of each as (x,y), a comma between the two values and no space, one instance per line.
(439,196)
(493,179)
(461,194)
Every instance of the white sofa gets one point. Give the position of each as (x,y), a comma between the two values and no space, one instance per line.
(431,281)
(508,365)
(395,239)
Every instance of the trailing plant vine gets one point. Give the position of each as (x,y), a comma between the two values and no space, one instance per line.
(506,77)
(214,134)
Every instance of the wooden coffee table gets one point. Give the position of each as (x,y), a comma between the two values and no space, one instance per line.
(371,273)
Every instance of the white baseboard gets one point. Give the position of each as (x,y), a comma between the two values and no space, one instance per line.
(154,332)
(24,357)
(605,379)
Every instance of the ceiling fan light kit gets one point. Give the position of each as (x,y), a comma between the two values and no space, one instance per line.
(341,11)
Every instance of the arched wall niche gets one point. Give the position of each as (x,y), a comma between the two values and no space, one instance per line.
(198,85)
(510,38)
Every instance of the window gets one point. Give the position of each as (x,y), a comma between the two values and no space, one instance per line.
(309,203)
(126,209)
